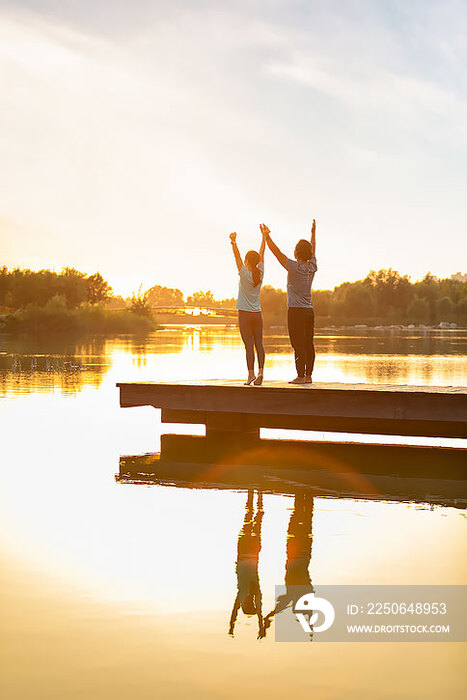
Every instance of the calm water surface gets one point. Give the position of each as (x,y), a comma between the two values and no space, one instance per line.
(114,590)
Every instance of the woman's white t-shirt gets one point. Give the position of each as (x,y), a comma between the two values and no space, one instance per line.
(248,295)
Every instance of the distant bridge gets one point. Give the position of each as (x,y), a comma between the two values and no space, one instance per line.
(193,310)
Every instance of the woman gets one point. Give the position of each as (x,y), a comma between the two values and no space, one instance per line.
(248,596)
(250,320)
(300,315)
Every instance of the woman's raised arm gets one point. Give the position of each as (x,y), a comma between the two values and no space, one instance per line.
(236,252)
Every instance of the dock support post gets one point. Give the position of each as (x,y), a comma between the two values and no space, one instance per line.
(229,426)
(226,434)
(218,424)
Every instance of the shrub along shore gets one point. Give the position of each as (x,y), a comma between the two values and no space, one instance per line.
(88,319)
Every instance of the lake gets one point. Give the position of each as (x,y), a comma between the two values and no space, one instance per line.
(119,590)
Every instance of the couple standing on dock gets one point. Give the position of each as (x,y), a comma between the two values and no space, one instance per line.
(300,315)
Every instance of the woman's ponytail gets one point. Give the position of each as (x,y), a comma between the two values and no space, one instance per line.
(253,259)
(256,274)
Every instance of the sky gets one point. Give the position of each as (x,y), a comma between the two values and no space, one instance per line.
(135,136)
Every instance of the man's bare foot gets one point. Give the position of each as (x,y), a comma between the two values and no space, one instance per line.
(298,380)
(251,378)
(308,379)
(259,379)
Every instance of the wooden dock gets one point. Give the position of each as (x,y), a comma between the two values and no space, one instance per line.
(351,408)
(233,415)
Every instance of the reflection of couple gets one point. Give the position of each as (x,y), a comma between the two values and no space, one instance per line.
(300,315)
(297,576)
(248,549)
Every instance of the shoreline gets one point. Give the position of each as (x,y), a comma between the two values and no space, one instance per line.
(359,327)
(203,323)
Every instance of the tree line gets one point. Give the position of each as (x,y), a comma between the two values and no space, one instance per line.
(19,288)
(69,301)
(383,298)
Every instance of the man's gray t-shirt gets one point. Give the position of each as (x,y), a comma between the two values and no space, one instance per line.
(299,280)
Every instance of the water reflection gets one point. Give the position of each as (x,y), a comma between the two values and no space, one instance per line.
(299,545)
(248,596)
(66,371)
(298,549)
(106,576)
(373,341)
(428,357)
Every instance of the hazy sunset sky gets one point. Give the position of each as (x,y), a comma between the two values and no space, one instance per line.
(134,136)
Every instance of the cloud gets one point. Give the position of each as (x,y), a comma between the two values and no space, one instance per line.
(137,151)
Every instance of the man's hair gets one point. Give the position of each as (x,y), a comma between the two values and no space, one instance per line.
(303,250)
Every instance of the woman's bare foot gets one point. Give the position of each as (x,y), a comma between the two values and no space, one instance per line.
(308,379)
(298,380)
(251,378)
(259,379)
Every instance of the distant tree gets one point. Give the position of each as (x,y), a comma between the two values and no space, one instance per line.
(418,311)
(445,309)
(202,299)
(115,302)
(359,302)
(228,303)
(139,303)
(73,286)
(427,289)
(453,287)
(98,289)
(274,306)
(165,296)
(461,312)
(4,284)
(28,287)
(389,291)
(459,277)
(322,299)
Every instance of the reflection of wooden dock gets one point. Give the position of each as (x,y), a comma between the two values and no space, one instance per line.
(149,468)
(233,415)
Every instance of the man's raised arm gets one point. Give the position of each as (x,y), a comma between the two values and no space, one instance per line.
(272,246)
(262,246)
(313,237)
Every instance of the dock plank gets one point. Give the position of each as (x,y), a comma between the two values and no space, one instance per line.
(363,408)
(276,384)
